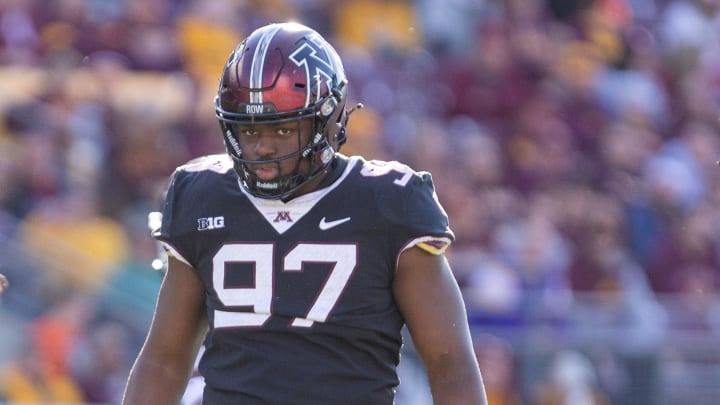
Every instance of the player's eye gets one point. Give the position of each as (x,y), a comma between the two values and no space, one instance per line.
(247,132)
(284,131)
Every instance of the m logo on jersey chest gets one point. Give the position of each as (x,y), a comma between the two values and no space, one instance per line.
(283,216)
(205,224)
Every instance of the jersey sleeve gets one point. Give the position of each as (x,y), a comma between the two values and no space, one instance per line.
(426,220)
(407,201)
(171,233)
(189,191)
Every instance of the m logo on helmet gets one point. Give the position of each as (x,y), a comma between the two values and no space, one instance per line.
(317,64)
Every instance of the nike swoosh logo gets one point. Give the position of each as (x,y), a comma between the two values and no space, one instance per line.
(325,225)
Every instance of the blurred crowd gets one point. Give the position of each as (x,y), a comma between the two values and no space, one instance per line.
(573,143)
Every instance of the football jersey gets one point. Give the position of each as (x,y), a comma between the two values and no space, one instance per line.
(299,293)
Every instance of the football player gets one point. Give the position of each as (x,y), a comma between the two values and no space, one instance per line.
(295,265)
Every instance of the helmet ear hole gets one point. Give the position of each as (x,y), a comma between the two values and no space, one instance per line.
(328,107)
(327,155)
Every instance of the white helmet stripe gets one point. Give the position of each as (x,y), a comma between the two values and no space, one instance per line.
(258,62)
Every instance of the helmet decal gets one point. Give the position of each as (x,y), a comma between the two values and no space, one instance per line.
(258,62)
(307,56)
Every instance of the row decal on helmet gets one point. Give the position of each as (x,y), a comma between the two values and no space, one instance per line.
(306,55)
(258,63)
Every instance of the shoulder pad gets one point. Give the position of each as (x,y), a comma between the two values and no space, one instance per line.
(407,199)
(220,163)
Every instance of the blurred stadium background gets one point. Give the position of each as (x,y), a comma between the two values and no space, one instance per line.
(573,143)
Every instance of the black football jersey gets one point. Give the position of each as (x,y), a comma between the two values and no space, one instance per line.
(299,293)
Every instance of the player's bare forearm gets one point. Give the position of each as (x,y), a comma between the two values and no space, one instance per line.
(151,383)
(458,388)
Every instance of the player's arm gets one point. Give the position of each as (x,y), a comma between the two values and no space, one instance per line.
(429,298)
(164,364)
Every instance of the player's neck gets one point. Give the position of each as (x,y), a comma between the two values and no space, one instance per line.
(334,171)
(331,174)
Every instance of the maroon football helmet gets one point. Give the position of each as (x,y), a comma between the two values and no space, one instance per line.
(283,72)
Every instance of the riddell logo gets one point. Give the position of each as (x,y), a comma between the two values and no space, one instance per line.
(230,138)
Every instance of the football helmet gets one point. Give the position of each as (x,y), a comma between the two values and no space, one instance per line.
(280,73)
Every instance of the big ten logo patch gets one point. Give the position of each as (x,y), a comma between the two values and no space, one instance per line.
(209,223)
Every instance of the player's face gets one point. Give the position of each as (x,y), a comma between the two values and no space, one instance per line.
(265,142)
